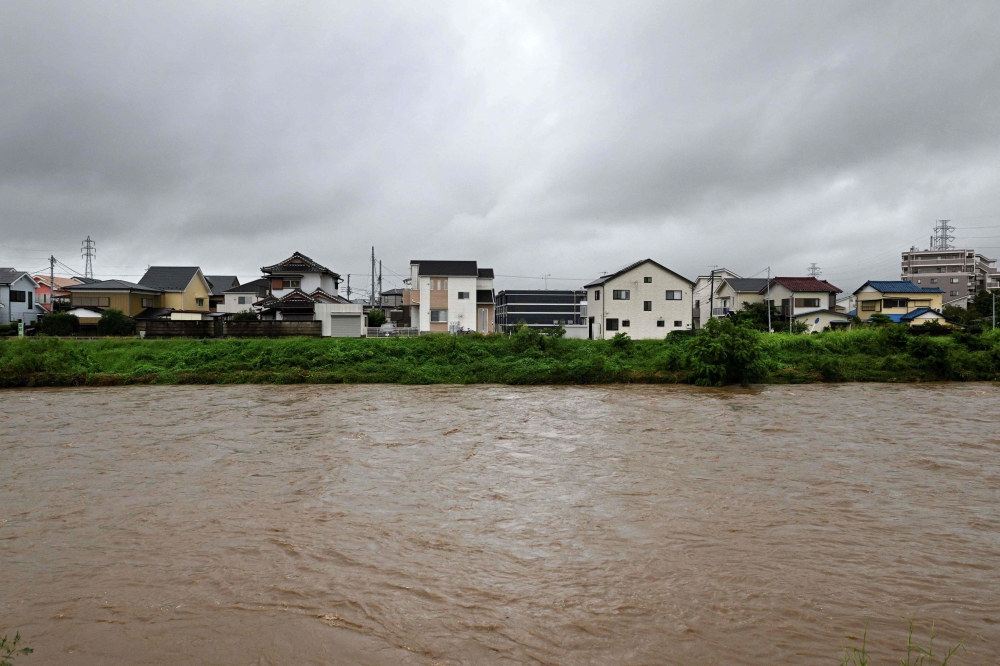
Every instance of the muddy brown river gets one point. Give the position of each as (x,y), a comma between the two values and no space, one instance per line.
(497,525)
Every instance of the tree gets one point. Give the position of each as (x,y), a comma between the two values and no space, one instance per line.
(754,315)
(60,323)
(114,322)
(724,352)
(245,315)
(376,318)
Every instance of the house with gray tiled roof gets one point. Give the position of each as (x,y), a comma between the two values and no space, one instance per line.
(17,297)
(185,289)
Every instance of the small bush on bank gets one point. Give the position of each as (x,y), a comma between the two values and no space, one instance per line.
(60,323)
(114,322)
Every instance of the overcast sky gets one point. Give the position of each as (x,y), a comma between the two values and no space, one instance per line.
(535,138)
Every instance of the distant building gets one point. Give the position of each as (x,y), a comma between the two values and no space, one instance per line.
(645,300)
(185,289)
(895,299)
(130,298)
(450,296)
(960,274)
(219,285)
(540,308)
(296,286)
(702,298)
(243,297)
(46,295)
(793,296)
(17,297)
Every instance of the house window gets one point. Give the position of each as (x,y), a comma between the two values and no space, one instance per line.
(146,302)
(918,280)
(933,280)
(597,294)
(954,293)
(807,302)
(697,303)
(619,294)
(289,284)
(31,296)
(647,306)
(674,295)
(18,296)
(678,323)
(660,323)
(611,324)
(199,302)
(625,323)
(894,303)
(463,295)
(954,280)
(439,316)
(647,280)
(262,291)
(98,301)
(871,306)
(439,284)
(241,300)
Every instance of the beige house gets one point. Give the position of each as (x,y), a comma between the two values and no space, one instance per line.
(185,288)
(896,298)
(646,300)
(450,296)
(95,297)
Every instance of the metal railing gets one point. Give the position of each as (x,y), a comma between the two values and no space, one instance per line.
(720,312)
(373,332)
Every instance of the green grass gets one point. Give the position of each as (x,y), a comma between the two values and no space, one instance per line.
(889,354)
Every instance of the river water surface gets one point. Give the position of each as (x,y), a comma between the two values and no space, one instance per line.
(497,525)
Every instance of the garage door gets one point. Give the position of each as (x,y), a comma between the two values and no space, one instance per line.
(345,326)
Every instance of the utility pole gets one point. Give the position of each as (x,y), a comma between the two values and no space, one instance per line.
(711,295)
(814,271)
(768,301)
(380,282)
(371,299)
(52,283)
(88,250)
(348,287)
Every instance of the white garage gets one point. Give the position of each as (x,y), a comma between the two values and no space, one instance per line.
(341,320)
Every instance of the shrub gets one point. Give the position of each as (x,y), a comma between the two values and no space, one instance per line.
(726,353)
(376,318)
(246,315)
(60,323)
(114,322)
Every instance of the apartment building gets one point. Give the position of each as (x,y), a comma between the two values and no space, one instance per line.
(450,296)
(646,300)
(960,274)
(540,308)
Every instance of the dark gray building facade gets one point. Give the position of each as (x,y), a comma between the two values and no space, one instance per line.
(540,308)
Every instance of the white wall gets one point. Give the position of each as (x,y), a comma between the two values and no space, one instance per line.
(642,324)
(324,311)
(13,311)
(462,312)
(232,303)
(779,293)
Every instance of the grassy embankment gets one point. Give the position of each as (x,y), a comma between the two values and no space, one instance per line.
(889,354)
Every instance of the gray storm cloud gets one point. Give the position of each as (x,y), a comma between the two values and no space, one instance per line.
(538,138)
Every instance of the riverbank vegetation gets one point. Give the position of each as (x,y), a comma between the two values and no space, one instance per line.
(724,352)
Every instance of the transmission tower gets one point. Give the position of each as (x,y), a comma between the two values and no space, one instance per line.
(942,238)
(88,250)
(814,271)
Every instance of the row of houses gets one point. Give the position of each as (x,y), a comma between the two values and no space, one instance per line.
(645,299)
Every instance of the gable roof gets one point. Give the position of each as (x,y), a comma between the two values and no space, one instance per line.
(60,282)
(485,273)
(611,276)
(298,263)
(111,285)
(10,275)
(447,268)
(320,296)
(219,283)
(800,284)
(168,278)
(745,285)
(897,287)
(250,287)
(843,315)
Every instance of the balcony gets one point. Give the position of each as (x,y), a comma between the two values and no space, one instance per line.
(720,312)
(411,297)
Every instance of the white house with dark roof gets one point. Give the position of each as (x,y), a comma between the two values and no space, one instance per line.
(703,295)
(17,297)
(793,296)
(219,285)
(450,296)
(295,287)
(646,300)
(243,297)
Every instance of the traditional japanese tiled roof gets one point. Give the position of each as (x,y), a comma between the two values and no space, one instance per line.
(897,287)
(622,271)
(169,278)
(803,284)
(296,264)
(321,296)
(296,297)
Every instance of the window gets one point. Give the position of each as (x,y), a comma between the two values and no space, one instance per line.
(98,301)
(439,316)
(954,293)
(625,323)
(146,302)
(954,280)
(918,280)
(871,306)
(611,324)
(242,300)
(660,323)
(289,284)
(807,302)
(439,284)
(697,303)
(199,302)
(647,280)
(647,306)
(619,294)
(920,304)
(18,296)
(31,296)
(597,294)
(678,323)
(933,280)
(463,295)
(674,295)
(261,291)
(894,303)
